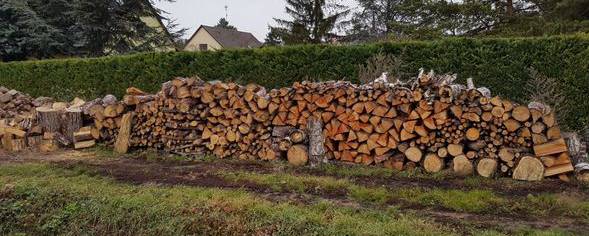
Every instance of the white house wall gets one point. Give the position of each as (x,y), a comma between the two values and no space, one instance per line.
(202,37)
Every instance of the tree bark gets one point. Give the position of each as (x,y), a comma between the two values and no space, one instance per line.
(72,122)
(49,119)
(316,142)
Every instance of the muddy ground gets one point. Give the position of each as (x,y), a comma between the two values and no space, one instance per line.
(207,174)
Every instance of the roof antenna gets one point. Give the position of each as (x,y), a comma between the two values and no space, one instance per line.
(226,12)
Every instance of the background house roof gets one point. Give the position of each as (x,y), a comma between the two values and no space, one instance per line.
(232,38)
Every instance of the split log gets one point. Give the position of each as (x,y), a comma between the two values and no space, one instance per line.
(462,166)
(487,167)
(84,144)
(124,135)
(15,131)
(529,168)
(84,135)
(297,155)
(48,145)
(558,169)
(432,163)
(414,154)
(554,147)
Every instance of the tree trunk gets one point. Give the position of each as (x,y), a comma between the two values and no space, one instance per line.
(316,142)
(72,122)
(49,119)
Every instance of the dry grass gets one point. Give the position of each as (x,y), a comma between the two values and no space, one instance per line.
(546,90)
(378,64)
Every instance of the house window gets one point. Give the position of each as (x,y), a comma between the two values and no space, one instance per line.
(203,47)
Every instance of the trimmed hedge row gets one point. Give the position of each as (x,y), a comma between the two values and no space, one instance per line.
(500,64)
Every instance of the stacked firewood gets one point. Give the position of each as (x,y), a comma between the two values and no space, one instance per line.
(14,103)
(17,119)
(189,116)
(107,114)
(429,122)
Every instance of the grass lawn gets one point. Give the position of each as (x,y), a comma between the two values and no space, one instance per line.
(94,196)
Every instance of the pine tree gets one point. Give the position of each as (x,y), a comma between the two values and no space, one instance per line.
(223,23)
(24,34)
(56,28)
(273,38)
(313,21)
(374,20)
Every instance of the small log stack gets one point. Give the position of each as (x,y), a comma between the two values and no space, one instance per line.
(14,103)
(38,123)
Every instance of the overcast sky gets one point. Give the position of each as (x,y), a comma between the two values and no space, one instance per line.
(247,15)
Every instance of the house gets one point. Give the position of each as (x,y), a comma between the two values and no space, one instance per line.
(207,38)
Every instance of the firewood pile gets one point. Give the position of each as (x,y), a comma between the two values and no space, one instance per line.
(430,123)
(40,123)
(14,103)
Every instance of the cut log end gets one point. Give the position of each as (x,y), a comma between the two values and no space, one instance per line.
(297,155)
(529,169)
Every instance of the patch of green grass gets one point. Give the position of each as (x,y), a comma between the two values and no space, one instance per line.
(524,231)
(287,182)
(472,201)
(535,232)
(469,201)
(377,172)
(49,200)
(102,151)
(464,201)
(354,171)
(369,195)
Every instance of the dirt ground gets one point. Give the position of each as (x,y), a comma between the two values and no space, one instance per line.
(206,174)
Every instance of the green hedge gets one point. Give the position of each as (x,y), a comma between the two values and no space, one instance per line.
(500,64)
